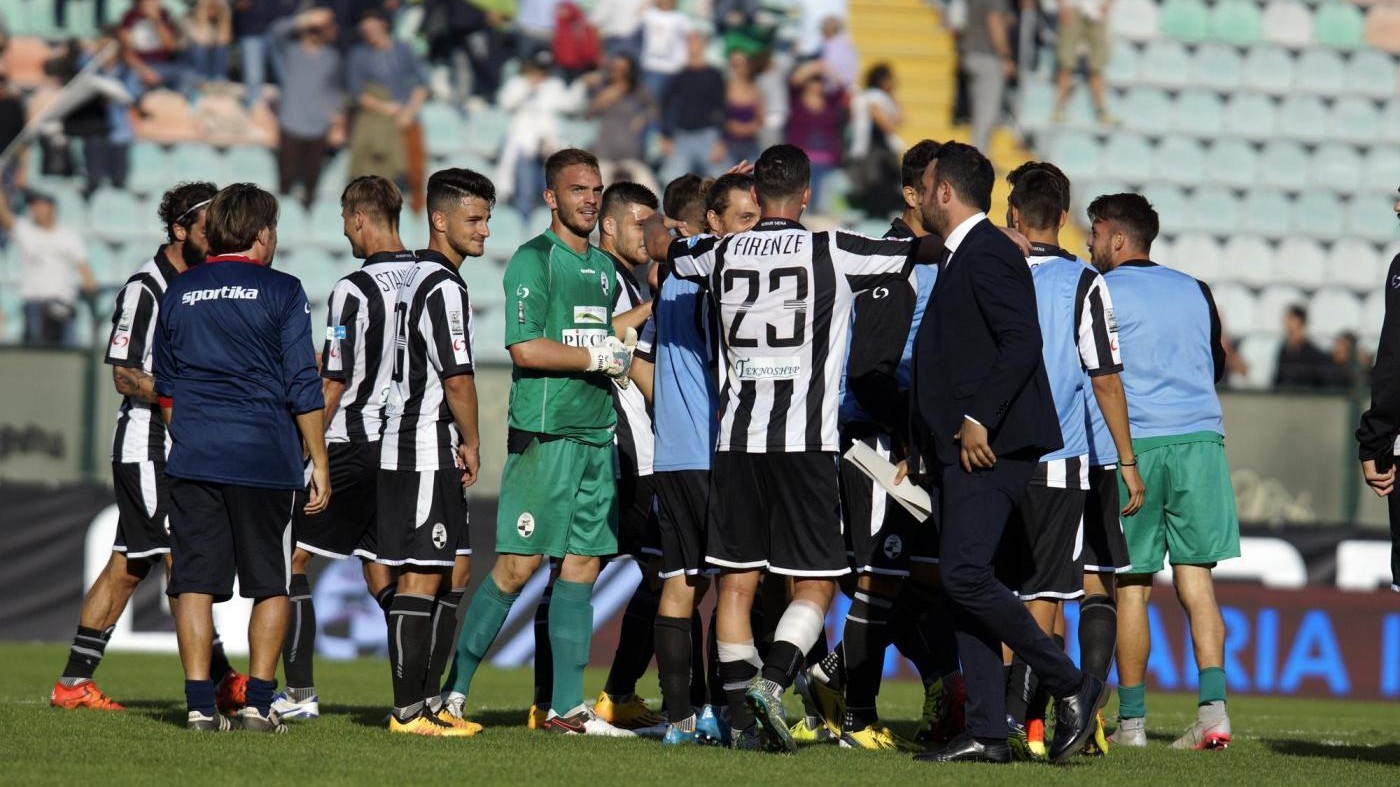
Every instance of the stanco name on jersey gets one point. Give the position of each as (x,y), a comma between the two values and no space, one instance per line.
(389,281)
(764,245)
(219,293)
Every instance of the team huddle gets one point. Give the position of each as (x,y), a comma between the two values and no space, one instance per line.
(706,422)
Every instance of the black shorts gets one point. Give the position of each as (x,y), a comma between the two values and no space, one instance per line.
(348,525)
(637,526)
(779,511)
(422,517)
(881,536)
(1105,546)
(218,531)
(1039,556)
(143,504)
(683,500)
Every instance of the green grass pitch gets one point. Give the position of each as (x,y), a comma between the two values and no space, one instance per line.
(1277,741)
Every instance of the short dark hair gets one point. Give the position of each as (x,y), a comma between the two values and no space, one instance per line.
(684,199)
(622,194)
(970,173)
(562,160)
(1015,176)
(177,205)
(878,73)
(916,159)
(718,198)
(447,187)
(782,172)
(1298,310)
(1132,212)
(1039,197)
(375,195)
(236,216)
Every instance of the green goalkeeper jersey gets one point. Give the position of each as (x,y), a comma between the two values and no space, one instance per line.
(552,292)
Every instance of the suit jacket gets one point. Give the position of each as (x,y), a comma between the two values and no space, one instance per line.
(1380,424)
(978,354)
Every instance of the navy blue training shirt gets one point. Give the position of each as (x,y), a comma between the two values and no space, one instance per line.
(235,358)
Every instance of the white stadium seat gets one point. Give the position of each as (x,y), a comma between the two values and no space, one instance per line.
(1272,301)
(1248,259)
(1334,310)
(1356,264)
(1259,351)
(1135,20)
(1300,261)
(1236,304)
(1287,23)
(1198,255)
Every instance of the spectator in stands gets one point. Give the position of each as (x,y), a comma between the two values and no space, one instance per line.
(664,31)
(575,48)
(252,21)
(816,121)
(1083,24)
(743,109)
(622,107)
(839,54)
(534,25)
(54,270)
(986,57)
(14,175)
(619,22)
(876,149)
(535,99)
(152,45)
(1301,364)
(772,69)
(1351,364)
(208,34)
(102,123)
(389,84)
(446,27)
(312,98)
(692,115)
(734,14)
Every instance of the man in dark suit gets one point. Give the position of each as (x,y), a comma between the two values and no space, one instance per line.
(985,413)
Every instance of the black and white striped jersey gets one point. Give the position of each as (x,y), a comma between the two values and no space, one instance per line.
(140,435)
(634,434)
(784,296)
(359,346)
(432,341)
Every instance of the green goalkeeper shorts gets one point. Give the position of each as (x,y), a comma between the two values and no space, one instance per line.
(1189,509)
(558,497)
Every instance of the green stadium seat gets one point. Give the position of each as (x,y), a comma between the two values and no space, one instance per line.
(68,200)
(1250,260)
(1371,72)
(1217,66)
(208,162)
(1122,66)
(115,214)
(1236,22)
(1373,217)
(1340,25)
(328,228)
(1076,153)
(413,228)
(334,175)
(1251,115)
(1184,20)
(579,133)
(293,226)
(489,341)
(1320,71)
(1266,212)
(1335,166)
(1213,209)
(152,167)
(483,278)
(1170,203)
(1268,69)
(1127,157)
(1390,121)
(1165,63)
(443,129)
(1179,159)
(1354,119)
(1284,165)
(252,164)
(507,233)
(1199,112)
(109,268)
(1382,162)
(1134,20)
(1303,117)
(1287,23)
(1318,213)
(37,18)
(486,131)
(1146,109)
(536,222)
(1037,102)
(1231,162)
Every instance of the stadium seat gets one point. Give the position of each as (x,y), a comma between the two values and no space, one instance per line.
(1373,312)
(1355,119)
(108,268)
(1335,166)
(1230,161)
(1320,71)
(1165,63)
(1318,213)
(1383,27)
(1185,20)
(205,160)
(1371,73)
(1213,209)
(1300,261)
(1268,69)
(577,132)
(489,343)
(1169,202)
(328,228)
(1333,310)
(483,278)
(1146,109)
(115,214)
(486,131)
(1266,212)
(414,226)
(443,128)
(1199,113)
(1235,303)
(68,201)
(151,167)
(1037,102)
(1356,264)
(507,233)
(1271,303)
(334,175)
(1127,157)
(1122,66)
(1236,22)
(1259,351)
(1382,164)
(1179,160)
(1287,23)
(1217,66)
(1248,260)
(1134,20)
(252,164)
(1303,117)
(1251,115)
(1285,165)
(1340,25)
(1372,218)
(293,225)
(1076,153)
(1390,121)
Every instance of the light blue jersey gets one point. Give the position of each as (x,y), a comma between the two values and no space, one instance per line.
(1170,333)
(686,403)
(1079,341)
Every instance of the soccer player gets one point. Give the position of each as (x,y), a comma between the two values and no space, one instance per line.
(558,495)
(784,296)
(1169,327)
(356,361)
(1376,433)
(139,446)
(431,452)
(1080,339)
(235,371)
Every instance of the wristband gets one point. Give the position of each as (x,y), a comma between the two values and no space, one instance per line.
(1128,464)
